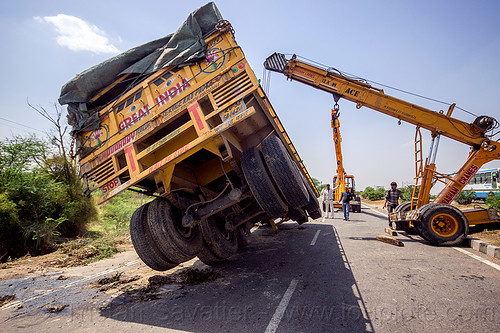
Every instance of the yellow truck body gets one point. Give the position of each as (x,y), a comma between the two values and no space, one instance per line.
(145,136)
(203,137)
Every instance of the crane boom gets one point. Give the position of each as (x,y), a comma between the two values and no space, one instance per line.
(437,223)
(363,94)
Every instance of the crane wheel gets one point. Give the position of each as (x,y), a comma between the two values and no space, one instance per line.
(284,172)
(261,185)
(143,243)
(405,225)
(443,224)
(178,243)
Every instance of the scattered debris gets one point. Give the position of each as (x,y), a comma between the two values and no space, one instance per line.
(56,308)
(108,280)
(156,281)
(113,281)
(193,276)
(158,285)
(389,240)
(6,299)
(62,277)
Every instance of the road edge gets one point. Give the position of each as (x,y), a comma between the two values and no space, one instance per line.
(483,247)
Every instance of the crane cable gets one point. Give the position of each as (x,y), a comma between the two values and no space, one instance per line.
(354,77)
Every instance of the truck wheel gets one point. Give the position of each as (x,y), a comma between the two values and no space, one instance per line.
(207,257)
(443,224)
(284,172)
(297,215)
(244,235)
(220,242)
(313,206)
(177,242)
(143,243)
(405,225)
(261,185)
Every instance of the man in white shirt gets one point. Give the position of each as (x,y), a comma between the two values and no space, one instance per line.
(328,196)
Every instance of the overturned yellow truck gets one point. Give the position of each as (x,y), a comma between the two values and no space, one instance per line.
(184,119)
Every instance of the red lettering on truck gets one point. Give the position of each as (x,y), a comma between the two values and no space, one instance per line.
(134,118)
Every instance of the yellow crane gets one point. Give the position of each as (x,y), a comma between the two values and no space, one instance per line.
(342,180)
(438,222)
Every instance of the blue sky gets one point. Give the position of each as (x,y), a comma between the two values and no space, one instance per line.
(446,50)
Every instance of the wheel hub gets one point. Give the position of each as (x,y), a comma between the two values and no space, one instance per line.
(444,225)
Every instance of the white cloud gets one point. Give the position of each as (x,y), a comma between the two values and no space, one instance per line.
(78,35)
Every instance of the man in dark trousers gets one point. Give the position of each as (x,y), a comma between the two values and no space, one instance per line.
(392,199)
(345,199)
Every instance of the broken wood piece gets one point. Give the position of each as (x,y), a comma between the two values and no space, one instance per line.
(389,240)
(273,225)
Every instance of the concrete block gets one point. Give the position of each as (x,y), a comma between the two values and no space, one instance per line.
(493,251)
(475,244)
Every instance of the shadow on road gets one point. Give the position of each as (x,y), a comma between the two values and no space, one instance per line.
(252,284)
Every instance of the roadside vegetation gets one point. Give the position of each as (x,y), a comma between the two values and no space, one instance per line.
(41,197)
(43,207)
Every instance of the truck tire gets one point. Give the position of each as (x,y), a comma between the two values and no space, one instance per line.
(207,257)
(284,172)
(143,243)
(261,184)
(356,208)
(244,235)
(297,215)
(405,225)
(443,224)
(219,241)
(313,206)
(177,242)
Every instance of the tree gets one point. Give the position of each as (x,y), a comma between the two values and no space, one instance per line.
(493,200)
(41,191)
(318,184)
(466,197)
(371,194)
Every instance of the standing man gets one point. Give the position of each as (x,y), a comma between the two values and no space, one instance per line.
(328,195)
(392,200)
(345,199)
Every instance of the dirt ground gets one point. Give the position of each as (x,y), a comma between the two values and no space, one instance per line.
(75,253)
(489,233)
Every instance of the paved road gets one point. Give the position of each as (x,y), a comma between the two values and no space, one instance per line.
(323,276)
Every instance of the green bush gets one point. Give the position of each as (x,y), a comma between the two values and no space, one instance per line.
(371,194)
(466,197)
(47,195)
(10,230)
(493,200)
(407,192)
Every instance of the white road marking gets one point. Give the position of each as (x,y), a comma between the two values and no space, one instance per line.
(374,209)
(280,311)
(484,261)
(315,237)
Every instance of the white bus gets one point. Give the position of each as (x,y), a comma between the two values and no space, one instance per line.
(484,182)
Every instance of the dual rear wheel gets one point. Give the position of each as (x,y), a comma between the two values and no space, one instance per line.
(277,184)
(162,242)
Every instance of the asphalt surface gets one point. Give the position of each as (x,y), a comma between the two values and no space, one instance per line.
(323,276)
